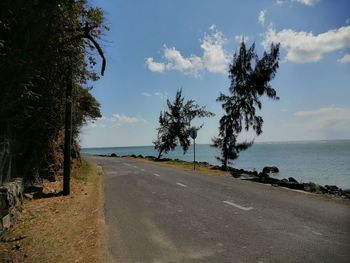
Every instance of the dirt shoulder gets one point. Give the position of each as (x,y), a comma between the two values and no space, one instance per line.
(61,229)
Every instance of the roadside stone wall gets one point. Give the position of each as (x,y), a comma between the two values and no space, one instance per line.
(11,197)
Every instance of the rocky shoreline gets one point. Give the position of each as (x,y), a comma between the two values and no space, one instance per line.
(265,177)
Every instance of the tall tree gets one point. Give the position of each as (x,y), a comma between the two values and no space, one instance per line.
(175,123)
(250,79)
(37,55)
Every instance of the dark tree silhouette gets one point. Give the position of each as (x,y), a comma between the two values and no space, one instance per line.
(175,122)
(250,80)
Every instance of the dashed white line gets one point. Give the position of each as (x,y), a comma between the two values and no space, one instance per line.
(135,167)
(127,164)
(156,175)
(142,170)
(183,185)
(238,206)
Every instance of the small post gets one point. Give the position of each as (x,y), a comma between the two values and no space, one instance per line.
(194,154)
(193,134)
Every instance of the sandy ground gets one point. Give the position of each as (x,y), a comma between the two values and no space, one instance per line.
(61,229)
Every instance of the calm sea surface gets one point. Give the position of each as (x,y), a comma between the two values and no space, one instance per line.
(322,162)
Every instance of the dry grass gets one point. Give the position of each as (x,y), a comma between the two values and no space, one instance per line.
(202,168)
(62,229)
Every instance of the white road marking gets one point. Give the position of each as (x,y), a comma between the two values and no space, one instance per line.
(183,185)
(316,233)
(135,167)
(238,206)
(142,170)
(156,175)
(127,164)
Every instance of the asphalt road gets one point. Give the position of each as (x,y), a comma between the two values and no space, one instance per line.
(161,214)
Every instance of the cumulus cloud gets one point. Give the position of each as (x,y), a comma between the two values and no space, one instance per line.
(279,2)
(214,58)
(304,47)
(345,59)
(155,66)
(261,17)
(306,2)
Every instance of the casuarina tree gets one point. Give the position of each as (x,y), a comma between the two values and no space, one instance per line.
(250,79)
(175,123)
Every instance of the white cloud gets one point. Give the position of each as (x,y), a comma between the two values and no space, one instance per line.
(175,61)
(306,2)
(279,2)
(331,121)
(155,66)
(347,21)
(335,112)
(261,17)
(146,94)
(126,119)
(162,95)
(304,47)
(345,59)
(214,58)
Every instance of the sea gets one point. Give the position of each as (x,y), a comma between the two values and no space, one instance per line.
(324,162)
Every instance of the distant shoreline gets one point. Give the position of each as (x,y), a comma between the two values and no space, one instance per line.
(264,142)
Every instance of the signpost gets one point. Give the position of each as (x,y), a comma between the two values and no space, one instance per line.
(193,134)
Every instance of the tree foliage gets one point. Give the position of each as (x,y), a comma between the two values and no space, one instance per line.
(43,43)
(250,79)
(175,123)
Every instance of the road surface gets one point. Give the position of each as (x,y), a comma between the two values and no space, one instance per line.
(162,214)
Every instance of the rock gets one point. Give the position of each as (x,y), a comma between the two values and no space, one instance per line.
(270,169)
(140,156)
(292,180)
(114,155)
(29,196)
(290,185)
(331,188)
(7,221)
(263,175)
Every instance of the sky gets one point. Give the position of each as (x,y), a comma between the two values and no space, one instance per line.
(156,47)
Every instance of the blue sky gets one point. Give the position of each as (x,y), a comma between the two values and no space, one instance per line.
(155,47)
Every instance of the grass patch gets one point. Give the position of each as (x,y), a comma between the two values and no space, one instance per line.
(62,228)
(184,165)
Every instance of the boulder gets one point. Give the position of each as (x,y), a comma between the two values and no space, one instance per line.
(114,155)
(292,180)
(270,169)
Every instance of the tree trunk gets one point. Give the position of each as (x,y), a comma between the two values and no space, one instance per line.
(160,154)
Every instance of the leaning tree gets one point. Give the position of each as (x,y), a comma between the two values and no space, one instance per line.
(250,79)
(175,123)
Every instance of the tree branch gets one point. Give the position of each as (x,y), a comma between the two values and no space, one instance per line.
(100,52)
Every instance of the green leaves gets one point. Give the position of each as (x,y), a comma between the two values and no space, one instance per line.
(250,80)
(41,50)
(175,123)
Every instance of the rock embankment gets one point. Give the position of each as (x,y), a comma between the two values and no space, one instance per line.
(291,183)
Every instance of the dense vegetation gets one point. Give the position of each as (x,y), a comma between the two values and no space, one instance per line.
(250,80)
(44,46)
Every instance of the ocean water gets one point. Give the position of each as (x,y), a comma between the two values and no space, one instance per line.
(322,162)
